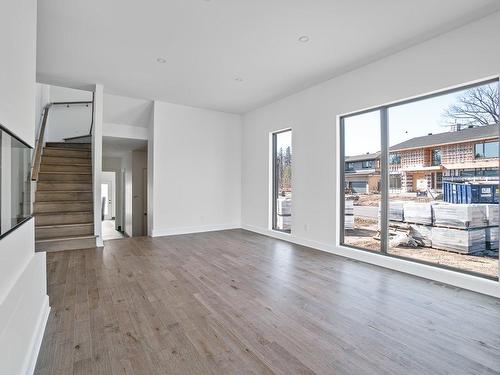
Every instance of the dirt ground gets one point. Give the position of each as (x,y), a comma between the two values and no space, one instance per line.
(366,229)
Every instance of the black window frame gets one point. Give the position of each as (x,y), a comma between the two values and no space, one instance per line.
(384,178)
(275,187)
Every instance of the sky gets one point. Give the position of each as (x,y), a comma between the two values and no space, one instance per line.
(362,133)
(283,140)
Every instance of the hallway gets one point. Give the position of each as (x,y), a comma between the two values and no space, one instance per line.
(109,232)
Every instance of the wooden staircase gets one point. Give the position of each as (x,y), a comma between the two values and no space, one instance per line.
(63,207)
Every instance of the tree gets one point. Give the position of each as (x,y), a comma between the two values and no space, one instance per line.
(476,106)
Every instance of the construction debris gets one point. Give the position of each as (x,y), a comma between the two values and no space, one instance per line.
(403,239)
(422,234)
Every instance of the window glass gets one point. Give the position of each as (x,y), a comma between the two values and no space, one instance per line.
(362,182)
(282,181)
(442,175)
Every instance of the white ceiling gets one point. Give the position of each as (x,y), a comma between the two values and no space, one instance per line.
(207,44)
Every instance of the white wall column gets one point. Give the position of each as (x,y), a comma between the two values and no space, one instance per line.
(97,160)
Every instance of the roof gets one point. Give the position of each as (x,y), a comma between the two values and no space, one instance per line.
(363,157)
(465,135)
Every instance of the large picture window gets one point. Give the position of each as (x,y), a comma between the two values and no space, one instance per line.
(432,196)
(282,181)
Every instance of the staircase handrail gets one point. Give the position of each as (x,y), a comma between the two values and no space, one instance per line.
(37,156)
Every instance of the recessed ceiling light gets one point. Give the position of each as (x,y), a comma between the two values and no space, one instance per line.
(161,60)
(304,39)
(238,79)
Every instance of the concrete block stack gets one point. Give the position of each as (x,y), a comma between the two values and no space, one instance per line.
(284,213)
(418,213)
(349,214)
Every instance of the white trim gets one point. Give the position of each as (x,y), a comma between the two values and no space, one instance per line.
(464,281)
(195,229)
(36,341)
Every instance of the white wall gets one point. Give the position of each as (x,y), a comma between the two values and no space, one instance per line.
(461,56)
(97,160)
(65,122)
(122,110)
(23,297)
(197,169)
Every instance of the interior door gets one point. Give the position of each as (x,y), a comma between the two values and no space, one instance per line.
(145,201)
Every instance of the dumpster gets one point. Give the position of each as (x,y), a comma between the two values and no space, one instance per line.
(467,193)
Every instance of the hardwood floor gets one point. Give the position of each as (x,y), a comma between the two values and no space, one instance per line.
(234,302)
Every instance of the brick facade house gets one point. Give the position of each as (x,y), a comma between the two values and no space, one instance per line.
(469,154)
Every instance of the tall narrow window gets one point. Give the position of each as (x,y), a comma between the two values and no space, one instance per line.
(434,198)
(282,181)
(361,180)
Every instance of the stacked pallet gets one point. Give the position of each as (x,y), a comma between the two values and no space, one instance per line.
(460,216)
(492,230)
(396,211)
(492,214)
(284,213)
(461,228)
(492,238)
(418,213)
(349,214)
(467,241)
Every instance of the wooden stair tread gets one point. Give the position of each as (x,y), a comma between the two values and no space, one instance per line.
(65,202)
(64,157)
(65,238)
(51,226)
(63,213)
(69,148)
(65,173)
(64,191)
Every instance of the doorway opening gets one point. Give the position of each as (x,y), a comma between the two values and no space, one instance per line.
(124,188)
(110,228)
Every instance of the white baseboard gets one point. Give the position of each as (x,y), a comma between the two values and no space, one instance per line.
(461,280)
(38,337)
(194,229)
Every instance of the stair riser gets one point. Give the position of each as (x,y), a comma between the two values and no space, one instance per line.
(47,196)
(66,245)
(65,168)
(65,177)
(81,230)
(63,186)
(43,207)
(79,146)
(55,219)
(67,152)
(65,160)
